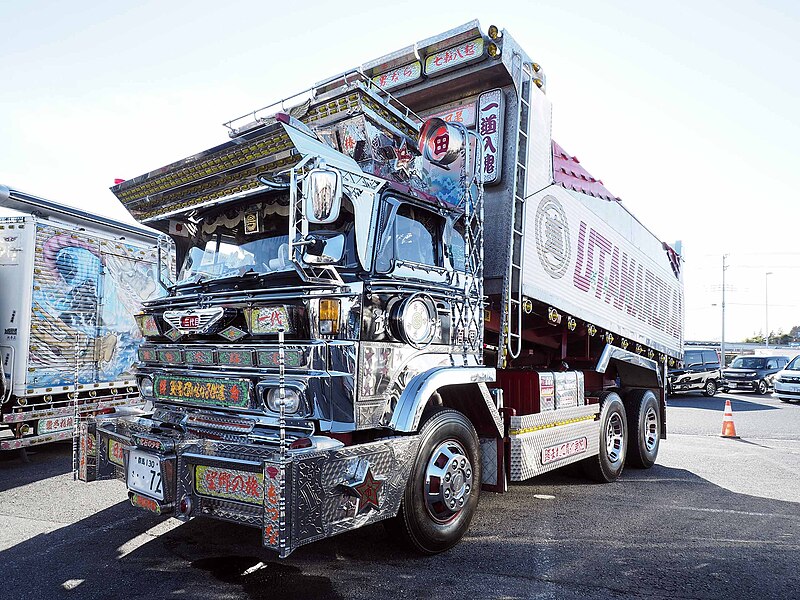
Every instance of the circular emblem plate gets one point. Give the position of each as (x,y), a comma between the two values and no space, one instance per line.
(552,237)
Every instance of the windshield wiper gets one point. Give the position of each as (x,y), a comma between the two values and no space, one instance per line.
(193,280)
(250,273)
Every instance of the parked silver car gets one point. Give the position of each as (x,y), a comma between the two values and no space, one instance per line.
(787,382)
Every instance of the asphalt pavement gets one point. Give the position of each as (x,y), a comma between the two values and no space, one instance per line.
(714,518)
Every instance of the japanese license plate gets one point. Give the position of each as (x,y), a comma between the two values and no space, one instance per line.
(55,424)
(565,450)
(144,474)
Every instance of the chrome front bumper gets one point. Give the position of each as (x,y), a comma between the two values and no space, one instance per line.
(294,498)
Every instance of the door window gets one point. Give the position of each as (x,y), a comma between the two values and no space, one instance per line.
(413,236)
(710,359)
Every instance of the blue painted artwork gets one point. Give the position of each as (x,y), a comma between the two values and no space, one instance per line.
(85,296)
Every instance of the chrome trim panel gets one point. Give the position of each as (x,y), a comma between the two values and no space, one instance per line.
(415,396)
(624,356)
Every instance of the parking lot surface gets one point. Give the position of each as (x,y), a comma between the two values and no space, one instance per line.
(715,518)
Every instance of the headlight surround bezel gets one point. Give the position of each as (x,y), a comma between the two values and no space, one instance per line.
(293,399)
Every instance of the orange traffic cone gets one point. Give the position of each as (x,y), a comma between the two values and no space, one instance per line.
(728,428)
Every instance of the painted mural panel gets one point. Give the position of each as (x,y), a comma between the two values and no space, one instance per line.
(85,293)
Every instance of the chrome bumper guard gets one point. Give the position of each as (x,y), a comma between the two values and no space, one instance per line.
(314,493)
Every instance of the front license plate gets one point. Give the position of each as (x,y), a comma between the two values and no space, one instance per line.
(144,474)
(565,450)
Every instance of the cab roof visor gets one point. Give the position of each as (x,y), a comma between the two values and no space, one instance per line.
(310,146)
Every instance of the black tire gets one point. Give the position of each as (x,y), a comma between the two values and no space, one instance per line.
(644,421)
(607,465)
(425,520)
(761,387)
(710,389)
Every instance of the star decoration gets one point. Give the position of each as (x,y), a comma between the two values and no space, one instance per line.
(365,490)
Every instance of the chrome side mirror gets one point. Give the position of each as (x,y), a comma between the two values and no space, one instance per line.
(324,249)
(322,194)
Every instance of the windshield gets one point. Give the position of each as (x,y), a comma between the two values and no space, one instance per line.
(252,239)
(794,365)
(221,256)
(748,363)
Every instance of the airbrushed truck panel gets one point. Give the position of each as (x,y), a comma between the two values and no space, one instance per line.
(71,285)
(392,296)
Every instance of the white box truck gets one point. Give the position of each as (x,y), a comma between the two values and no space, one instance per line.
(70,285)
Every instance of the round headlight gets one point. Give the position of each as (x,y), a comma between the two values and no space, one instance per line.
(146,387)
(416,320)
(291,400)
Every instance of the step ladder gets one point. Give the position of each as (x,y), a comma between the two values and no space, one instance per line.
(510,343)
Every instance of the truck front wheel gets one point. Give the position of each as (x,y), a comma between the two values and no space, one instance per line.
(607,465)
(645,427)
(442,491)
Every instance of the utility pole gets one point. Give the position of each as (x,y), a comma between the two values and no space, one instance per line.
(722,338)
(766,308)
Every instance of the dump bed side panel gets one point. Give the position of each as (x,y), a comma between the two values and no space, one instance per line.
(591,259)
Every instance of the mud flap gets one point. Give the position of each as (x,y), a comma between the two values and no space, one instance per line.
(98,457)
(493,465)
(86,449)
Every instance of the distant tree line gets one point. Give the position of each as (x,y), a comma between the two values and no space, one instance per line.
(776,337)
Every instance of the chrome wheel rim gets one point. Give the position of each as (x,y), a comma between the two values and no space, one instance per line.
(711,388)
(651,430)
(615,440)
(448,481)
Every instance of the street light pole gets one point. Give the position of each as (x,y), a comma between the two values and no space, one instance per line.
(766,308)
(722,338)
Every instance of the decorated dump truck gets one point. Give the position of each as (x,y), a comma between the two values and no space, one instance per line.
(71,285)
(395,292)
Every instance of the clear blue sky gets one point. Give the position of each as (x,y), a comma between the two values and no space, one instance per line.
(686,110)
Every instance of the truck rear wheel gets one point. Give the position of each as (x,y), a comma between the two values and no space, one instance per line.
(645,427)
(443,488)
(607,465)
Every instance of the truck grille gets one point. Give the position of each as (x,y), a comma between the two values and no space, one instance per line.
(295,357)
